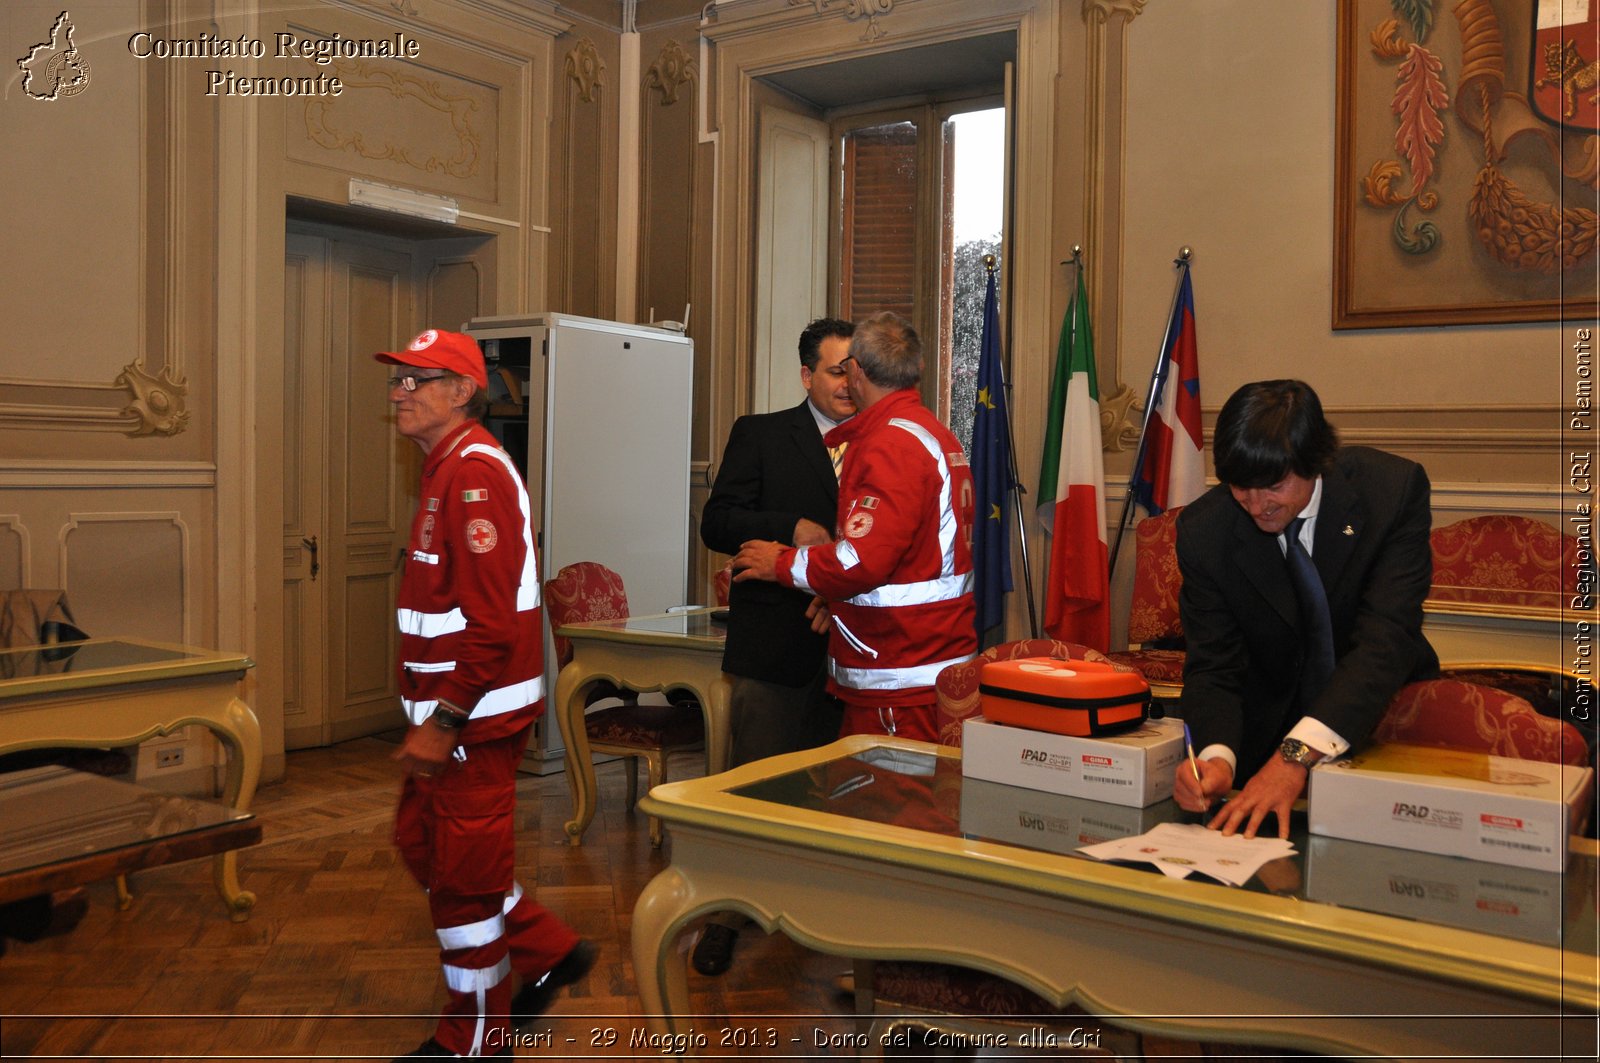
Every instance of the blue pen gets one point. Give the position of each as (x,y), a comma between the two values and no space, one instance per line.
(1188,743)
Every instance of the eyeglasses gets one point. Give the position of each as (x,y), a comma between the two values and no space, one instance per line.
(410,381)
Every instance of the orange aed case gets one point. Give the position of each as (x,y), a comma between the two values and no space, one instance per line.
(1082,698)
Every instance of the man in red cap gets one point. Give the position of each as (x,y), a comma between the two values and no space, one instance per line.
(472,683)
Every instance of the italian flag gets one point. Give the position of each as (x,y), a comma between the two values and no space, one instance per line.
(1072,505)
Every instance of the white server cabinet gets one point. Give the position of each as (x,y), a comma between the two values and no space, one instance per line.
(602,431)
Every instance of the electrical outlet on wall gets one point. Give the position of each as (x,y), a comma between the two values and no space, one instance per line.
(171,757)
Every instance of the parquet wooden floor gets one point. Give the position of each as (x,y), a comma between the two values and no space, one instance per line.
(337,960)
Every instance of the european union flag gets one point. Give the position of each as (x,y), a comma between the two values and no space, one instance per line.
(991,476)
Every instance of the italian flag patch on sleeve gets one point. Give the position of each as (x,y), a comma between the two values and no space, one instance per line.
(479,495)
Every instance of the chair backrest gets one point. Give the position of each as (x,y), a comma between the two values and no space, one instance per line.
(1153,614)
(1458,715)
(34,617)
(585,590)
(955,689)
(1501,559)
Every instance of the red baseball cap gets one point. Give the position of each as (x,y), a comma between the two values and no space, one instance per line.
(453,352)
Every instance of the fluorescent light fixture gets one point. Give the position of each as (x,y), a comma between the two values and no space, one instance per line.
(403,201)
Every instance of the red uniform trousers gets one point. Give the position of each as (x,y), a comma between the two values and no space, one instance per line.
(902,721)
(456,833)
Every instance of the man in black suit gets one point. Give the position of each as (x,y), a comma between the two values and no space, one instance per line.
(778,481)
(1276,679)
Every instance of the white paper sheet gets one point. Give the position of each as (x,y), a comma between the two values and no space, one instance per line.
(1180,849)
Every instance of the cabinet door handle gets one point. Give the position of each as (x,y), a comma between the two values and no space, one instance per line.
(316,564)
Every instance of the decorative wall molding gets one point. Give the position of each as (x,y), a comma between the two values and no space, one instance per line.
(463,143)
(854,11)
(584,66)
(60,475)
(1468,499)
(1106,59)
(18,530)
(42,417)
(173,205)
(540,16)
(1450,501)
(1104,10)
(158,401)
(673,68)
(177,576)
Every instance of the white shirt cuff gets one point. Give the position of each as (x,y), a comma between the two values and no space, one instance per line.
(1216,751)
(1318,736)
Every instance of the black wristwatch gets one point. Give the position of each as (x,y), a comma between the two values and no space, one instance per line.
(448,719)
(1297,752)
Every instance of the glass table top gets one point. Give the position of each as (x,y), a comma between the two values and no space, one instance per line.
(54,814)
(695,624)
(926,792)
(29,661)
(104,662)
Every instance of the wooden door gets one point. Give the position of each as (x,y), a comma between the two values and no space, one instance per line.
(349,483)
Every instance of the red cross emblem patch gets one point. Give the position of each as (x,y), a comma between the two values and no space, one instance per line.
(481,536)
(858,524)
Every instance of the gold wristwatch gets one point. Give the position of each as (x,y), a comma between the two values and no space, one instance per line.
(1297,752)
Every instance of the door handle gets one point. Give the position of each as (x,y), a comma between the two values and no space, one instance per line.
(316,563)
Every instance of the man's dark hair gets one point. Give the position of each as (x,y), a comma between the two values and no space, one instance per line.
(888,351)
(813,335)
(1269,429)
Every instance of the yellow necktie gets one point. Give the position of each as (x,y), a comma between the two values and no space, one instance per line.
(836,454)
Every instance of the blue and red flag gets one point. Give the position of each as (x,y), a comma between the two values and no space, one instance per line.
(1172,465)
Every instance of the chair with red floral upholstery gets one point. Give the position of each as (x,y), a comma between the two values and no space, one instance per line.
(1154,626)
(1507,565)
(1459,715)
(929,995)
(1501,561)
(588,591)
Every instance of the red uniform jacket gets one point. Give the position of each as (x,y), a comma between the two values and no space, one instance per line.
(898,578)
(470,629)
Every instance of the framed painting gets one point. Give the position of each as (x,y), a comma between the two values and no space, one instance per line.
(1467,162)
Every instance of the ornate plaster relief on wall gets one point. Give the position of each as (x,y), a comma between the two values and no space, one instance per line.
(585,67)
(855,10)
(673,69)
(401,122)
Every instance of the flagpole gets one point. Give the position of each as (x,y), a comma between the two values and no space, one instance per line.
(1156,378)
(1017,489)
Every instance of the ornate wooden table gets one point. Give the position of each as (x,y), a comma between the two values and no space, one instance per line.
(875,848)
(119,692)
(666,651)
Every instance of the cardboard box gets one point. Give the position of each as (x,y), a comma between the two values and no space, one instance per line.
(1133,769)
(1514,902)
(1054,823)
(1452,802)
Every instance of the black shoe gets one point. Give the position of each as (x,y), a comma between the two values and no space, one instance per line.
(535,997)
(714,954)
(431,1049)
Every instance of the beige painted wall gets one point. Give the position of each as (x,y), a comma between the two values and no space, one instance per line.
(1231,152)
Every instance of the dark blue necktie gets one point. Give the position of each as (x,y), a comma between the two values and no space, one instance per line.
(1315,626)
